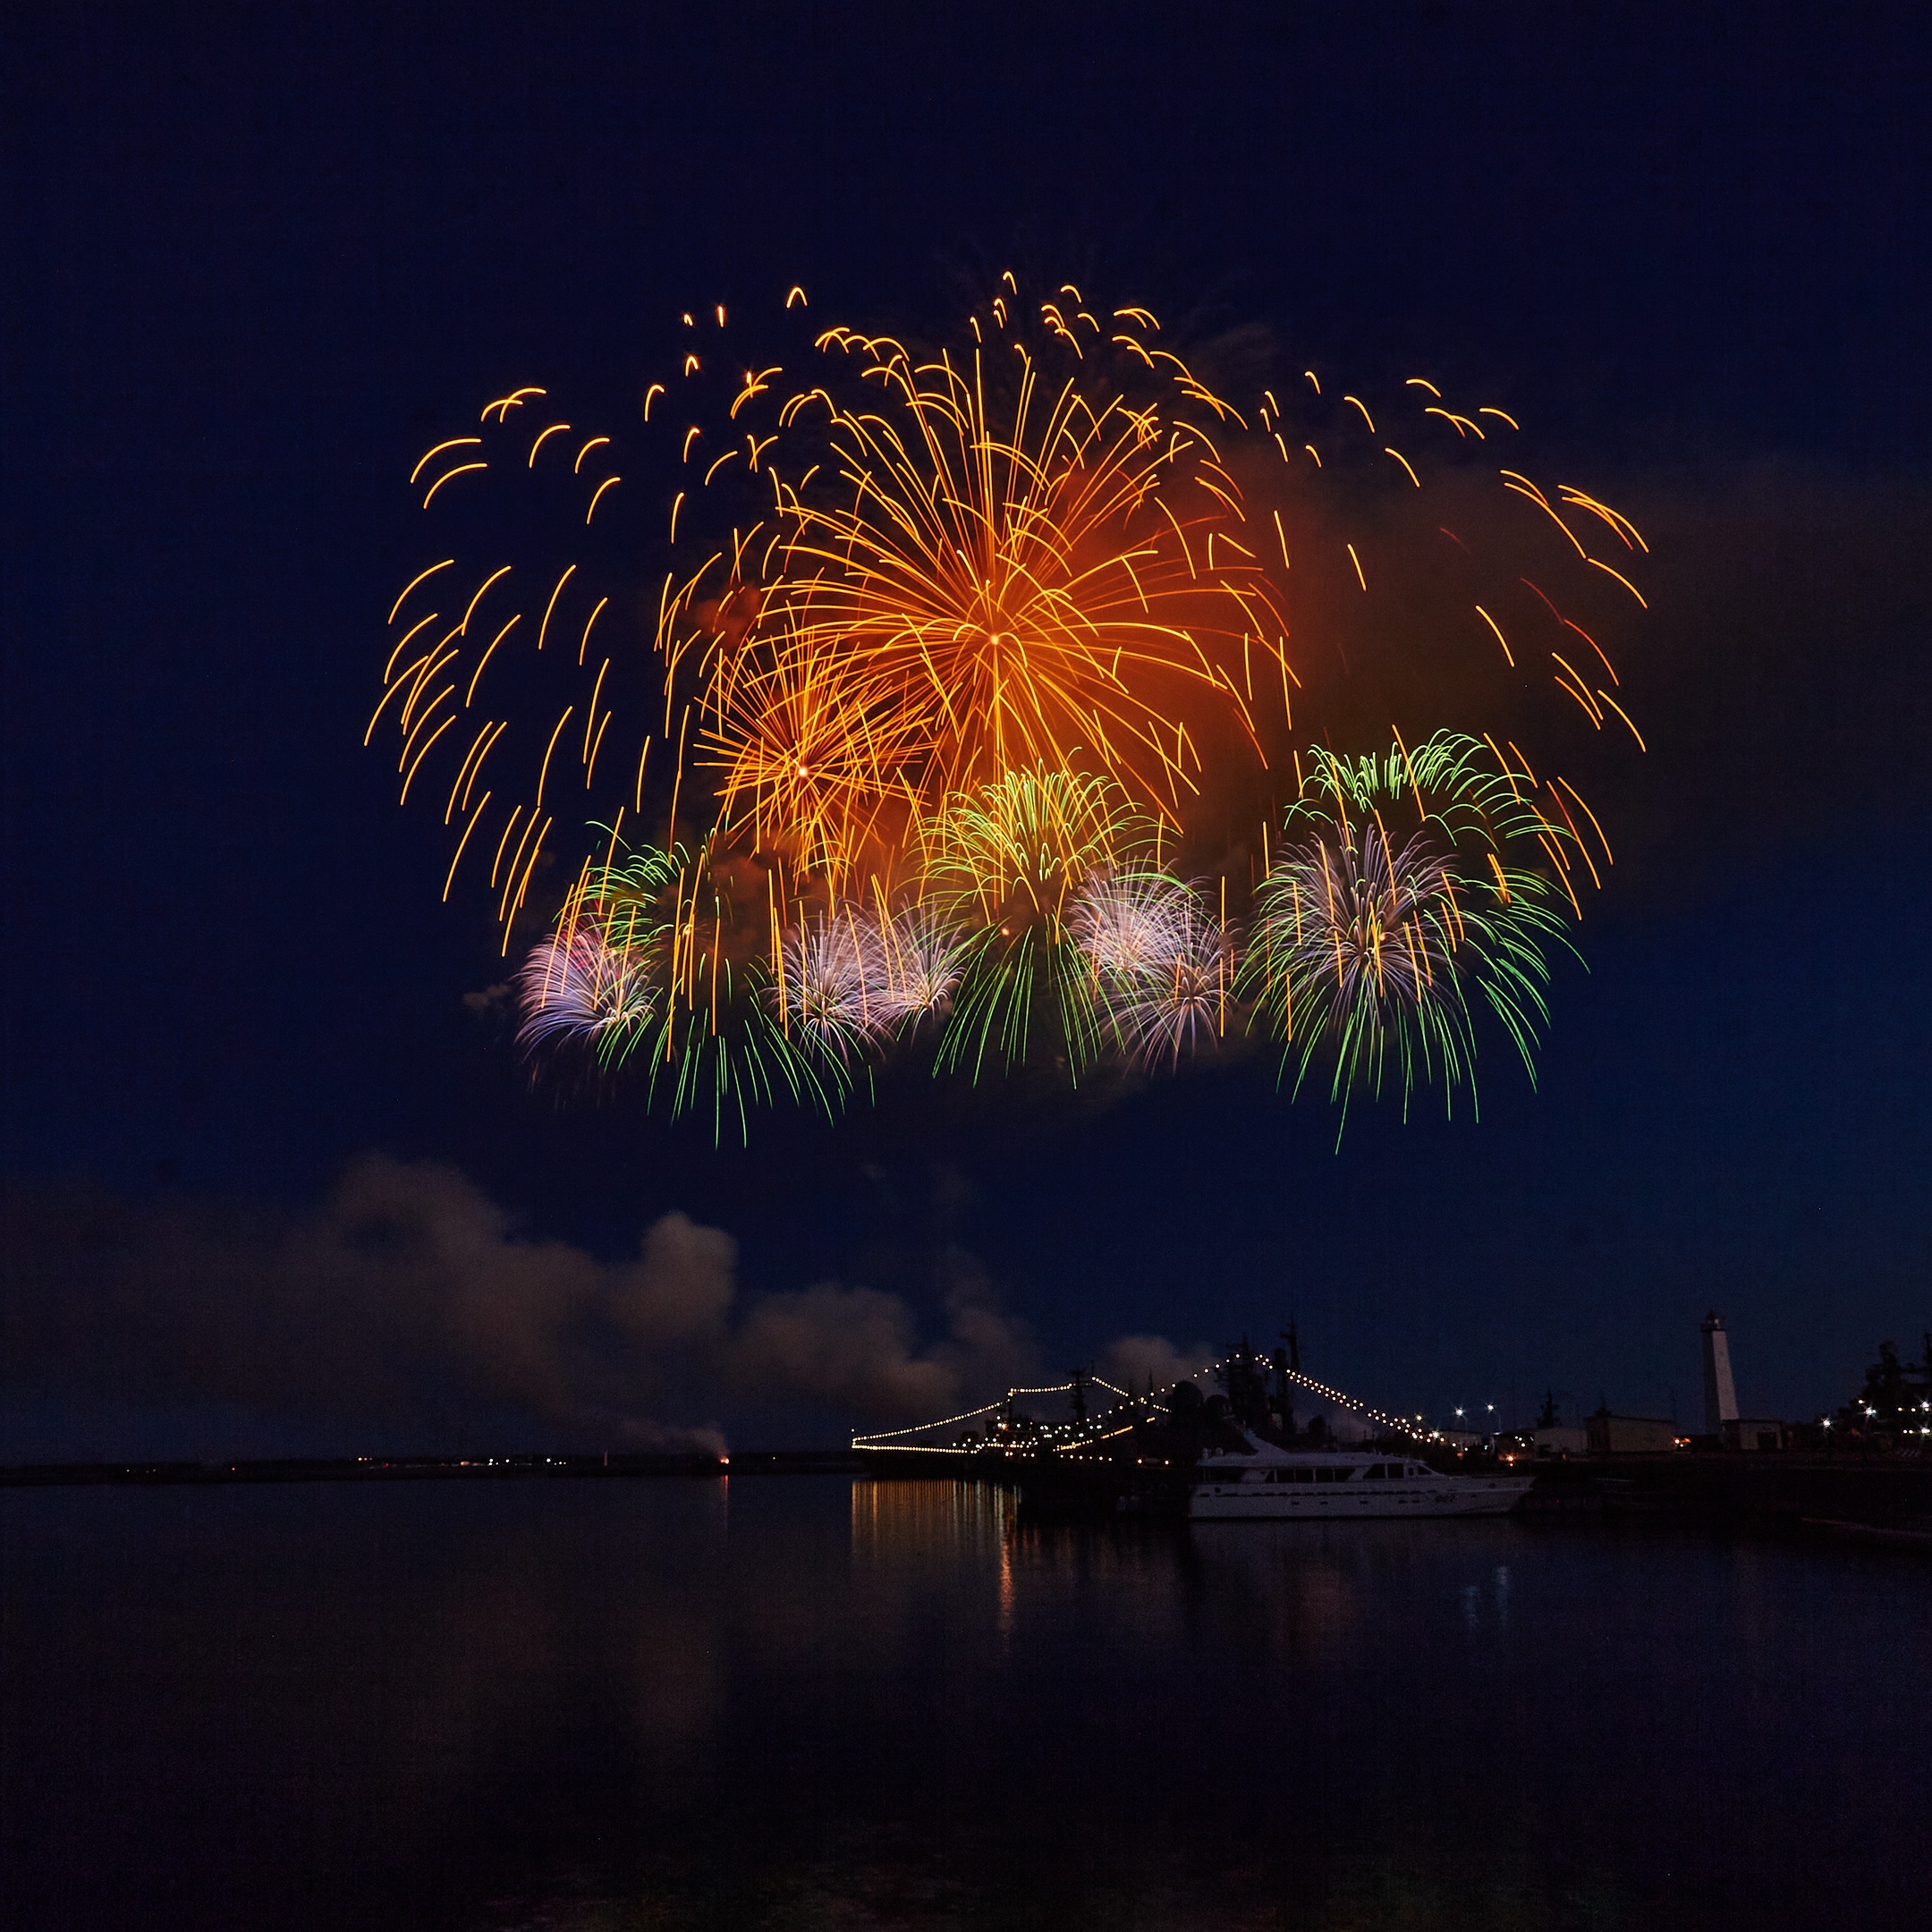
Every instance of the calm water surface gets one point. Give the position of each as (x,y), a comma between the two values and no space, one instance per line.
(804,1702)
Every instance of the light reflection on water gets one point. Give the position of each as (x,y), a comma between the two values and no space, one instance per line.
(799,1701)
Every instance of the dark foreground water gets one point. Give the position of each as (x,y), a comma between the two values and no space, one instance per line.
(805,1702)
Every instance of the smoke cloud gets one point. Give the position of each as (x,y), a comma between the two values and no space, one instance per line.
(1129,1361)
(408,1311)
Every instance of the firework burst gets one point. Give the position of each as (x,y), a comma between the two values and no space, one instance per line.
(834,984)
(1011,574)
(927,677)
(922,958)
(576,988)
(855,977)
(1010,861)
(1371,942)
(713,1030)
(1161,964)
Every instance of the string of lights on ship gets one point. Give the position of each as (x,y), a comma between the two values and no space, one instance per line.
(893,1438)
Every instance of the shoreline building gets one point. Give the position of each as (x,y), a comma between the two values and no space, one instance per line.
(1607,1434)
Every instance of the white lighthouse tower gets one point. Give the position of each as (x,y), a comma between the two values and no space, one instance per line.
(1720,1392)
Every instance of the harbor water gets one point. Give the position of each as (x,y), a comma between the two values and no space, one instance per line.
(794,1702)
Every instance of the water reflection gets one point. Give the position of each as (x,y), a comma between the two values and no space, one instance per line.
(802,1702)
(921,1522)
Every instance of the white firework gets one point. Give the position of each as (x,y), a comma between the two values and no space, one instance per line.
(853,980)
(835,982)
(1159,960)
(921,957)
(575,987)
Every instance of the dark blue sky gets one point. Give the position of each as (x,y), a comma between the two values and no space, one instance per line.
(252,256)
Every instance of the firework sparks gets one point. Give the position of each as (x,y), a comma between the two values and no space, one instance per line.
(1014,576)
(1161,964)
(853,979)
(922,960)
(1369,942)
(1011,860)
(575,988)
(951,657)
(835,982)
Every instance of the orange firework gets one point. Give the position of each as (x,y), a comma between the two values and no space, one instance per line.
(812,747)
(1035,577)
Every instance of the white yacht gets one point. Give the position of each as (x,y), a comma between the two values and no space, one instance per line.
(1320,1485)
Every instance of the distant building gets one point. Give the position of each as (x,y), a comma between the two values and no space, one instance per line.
(1628,1435)
(1720,1392)
(1556,1440)
(1751,1432)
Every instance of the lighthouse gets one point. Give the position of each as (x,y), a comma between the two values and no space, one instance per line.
(1720,1392)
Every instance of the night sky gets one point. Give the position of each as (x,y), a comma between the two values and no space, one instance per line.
(257,260)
